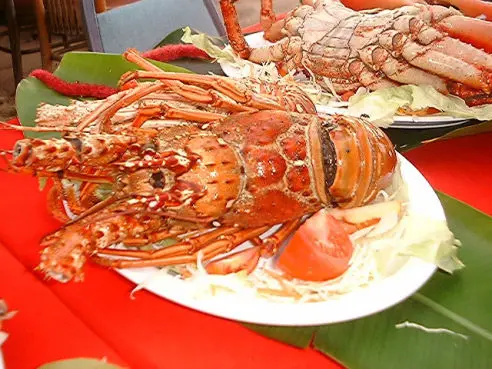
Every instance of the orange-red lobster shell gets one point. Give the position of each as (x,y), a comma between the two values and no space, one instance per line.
(208,179)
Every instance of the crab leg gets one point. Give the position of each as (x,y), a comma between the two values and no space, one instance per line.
(236,37)
(469,30)
(457,61)
(271,26)
(470,8)
(473,8)
(382,4)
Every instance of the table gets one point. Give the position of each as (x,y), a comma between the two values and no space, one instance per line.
(97,318)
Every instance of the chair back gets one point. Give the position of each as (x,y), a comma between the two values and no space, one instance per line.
(143,24)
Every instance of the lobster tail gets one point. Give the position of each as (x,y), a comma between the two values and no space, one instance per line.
(358,161)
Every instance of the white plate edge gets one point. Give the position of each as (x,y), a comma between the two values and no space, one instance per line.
(274,318)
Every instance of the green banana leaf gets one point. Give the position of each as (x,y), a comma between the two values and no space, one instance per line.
(407,139)
(104,69)
(447,324)
(197,66)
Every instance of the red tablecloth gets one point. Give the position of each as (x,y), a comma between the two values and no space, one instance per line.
(98,319)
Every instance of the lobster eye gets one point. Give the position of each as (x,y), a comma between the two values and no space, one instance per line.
(157,180)
(328,153)
(76,143)
(149,148)
(18,149)
(22,152)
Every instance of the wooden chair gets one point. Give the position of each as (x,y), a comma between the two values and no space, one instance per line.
(19,15)
(143,24)
(59,18)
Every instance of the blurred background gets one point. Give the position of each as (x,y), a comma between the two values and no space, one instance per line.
(36,33)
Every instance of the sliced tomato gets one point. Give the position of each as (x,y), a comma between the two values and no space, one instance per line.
(320,250)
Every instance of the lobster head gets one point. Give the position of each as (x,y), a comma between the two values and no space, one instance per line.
(353,160)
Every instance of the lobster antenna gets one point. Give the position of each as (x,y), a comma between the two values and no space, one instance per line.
(14,127)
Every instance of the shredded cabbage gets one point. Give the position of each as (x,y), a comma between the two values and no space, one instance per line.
(379,251)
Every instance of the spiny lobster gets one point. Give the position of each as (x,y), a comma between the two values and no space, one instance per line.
(413,43)
(209,161)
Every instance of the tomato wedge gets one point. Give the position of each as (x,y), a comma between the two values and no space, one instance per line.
(320,250)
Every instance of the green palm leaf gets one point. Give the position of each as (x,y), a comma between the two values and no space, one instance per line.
(447,324)
(104,69)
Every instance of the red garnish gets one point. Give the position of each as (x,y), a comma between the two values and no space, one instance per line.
(78,89)
(173,52)
(75,89)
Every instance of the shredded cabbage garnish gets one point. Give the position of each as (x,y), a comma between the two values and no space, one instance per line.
(226,57)
(5,314)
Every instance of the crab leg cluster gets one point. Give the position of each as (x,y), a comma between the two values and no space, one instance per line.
(414,43)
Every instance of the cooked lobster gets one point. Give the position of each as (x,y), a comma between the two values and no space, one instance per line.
(413,44)
(208,161)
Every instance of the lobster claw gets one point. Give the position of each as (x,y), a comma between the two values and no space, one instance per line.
(238,261)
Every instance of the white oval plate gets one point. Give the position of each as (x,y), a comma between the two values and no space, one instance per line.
(376,297)
(400,121)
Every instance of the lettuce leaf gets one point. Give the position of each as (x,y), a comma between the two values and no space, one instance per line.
(227,58)
(382,105)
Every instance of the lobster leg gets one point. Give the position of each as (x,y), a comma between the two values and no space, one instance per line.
(248,259)
(271,244)
(166,111)
(55,202)
(211,244)
(65,193)
(223,243)
(245,101)
(186,247)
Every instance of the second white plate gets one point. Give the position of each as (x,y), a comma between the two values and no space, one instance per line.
(407,121)
(401,121)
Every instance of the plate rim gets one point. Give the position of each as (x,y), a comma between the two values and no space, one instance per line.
(407,121)
(314,310)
